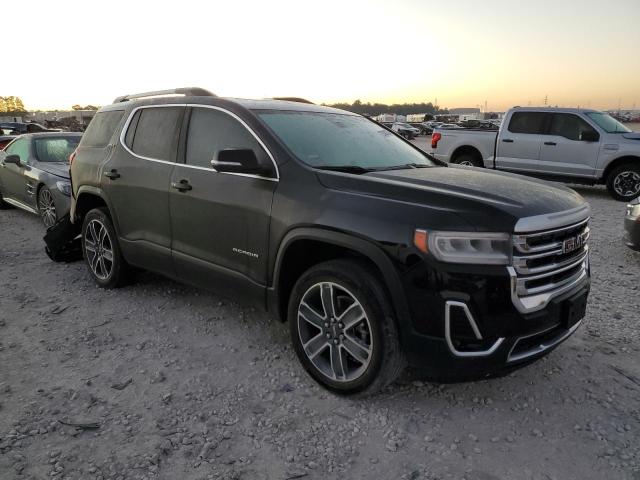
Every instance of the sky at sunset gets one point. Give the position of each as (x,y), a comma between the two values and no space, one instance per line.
(460,52)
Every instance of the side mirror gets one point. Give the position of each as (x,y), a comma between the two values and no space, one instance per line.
(590,136)
(15,159)
(240,160)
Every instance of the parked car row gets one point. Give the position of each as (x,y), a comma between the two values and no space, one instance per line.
(376,253)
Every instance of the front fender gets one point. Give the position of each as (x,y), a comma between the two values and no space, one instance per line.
(390,276)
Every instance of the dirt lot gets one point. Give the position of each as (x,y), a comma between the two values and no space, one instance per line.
(171,382)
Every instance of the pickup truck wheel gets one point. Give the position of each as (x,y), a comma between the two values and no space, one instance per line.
(343,329)
(101,250)
(468,160)
(623,182)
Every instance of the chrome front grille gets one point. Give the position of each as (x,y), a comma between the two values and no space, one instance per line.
(547,263)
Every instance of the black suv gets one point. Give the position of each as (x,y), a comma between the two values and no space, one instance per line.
(375,253)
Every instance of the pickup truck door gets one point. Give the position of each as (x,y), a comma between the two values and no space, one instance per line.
(220,221)
(519,141)
(563,151)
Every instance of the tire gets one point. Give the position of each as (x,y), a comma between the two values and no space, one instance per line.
(47,207)
(623,182)
(468,160)
(359,356)
(101,250)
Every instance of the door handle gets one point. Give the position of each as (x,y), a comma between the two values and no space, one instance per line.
(549,143)
(182,185)
(113,174)
(507,140)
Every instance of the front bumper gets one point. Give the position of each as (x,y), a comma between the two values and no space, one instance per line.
(503,337)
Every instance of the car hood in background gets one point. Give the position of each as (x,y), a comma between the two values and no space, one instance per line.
(59,169)
(488,199)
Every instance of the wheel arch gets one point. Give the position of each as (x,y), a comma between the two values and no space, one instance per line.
(302,248)
(87,199)
(467,149)
(617,162)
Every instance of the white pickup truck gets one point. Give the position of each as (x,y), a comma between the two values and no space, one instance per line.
(564,144)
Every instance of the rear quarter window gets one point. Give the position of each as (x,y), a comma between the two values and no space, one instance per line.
(528,122)
(101,128)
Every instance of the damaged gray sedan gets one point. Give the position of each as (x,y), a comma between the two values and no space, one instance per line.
(34,174)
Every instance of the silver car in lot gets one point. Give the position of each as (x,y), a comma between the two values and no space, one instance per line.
(34,174)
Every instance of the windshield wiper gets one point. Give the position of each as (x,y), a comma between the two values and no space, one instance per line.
(346,168)
(405,166)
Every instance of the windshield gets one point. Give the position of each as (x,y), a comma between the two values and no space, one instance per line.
(55,149)
(325,140)
(607,122)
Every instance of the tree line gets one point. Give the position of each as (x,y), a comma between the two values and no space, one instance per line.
(399,108)
(11,104)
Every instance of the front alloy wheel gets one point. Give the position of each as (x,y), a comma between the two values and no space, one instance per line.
(627,184)
(343,327)
(334,331)
(47,207)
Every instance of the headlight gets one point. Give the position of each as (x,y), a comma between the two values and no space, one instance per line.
(633,209)
(465,247)
(64,187)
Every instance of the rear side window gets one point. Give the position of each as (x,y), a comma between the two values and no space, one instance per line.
(101,128)
(211,131)
(569,126)
(528,122)
(156,133)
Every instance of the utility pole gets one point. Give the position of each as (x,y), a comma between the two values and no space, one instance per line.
(546,100)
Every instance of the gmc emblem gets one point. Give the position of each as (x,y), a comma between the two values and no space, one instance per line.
(572,243)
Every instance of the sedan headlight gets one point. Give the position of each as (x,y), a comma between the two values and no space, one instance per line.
(465,247)
(633,209)
(64,187)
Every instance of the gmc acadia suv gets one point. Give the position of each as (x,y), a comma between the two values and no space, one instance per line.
(375,253)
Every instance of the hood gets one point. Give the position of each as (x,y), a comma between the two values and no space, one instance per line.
(632,135)
(489,200)
(59,169)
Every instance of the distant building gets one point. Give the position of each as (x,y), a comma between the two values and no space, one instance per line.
(10,118)
(465,114)
(83,117)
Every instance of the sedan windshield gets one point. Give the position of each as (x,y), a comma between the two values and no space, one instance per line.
(607,122)
(346,142)
(55,149)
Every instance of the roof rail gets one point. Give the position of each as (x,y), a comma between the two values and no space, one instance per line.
(294,99)
(190,91)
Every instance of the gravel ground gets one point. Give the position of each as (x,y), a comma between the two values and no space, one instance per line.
(166,381)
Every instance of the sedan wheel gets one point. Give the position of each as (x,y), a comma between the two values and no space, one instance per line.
(335,332)
(47,207)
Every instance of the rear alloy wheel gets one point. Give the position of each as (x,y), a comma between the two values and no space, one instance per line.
(468,160)
(342,328)
(101,250)
(623,182)
(47,207)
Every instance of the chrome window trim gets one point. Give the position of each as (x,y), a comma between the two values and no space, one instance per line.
(474,327)
(123,133)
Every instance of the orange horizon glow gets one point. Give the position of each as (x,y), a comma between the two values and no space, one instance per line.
(461,53)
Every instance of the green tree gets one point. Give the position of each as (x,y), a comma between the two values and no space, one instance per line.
(11,104)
